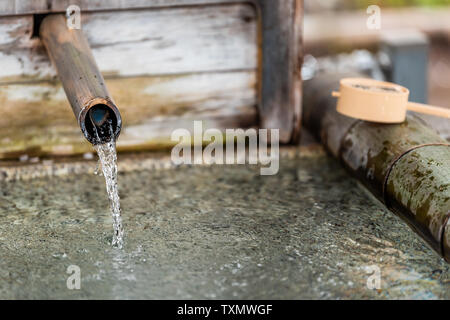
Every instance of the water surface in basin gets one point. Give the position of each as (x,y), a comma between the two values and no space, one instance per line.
(218,232)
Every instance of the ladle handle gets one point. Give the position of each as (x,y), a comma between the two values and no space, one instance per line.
(335,94)
(424,108)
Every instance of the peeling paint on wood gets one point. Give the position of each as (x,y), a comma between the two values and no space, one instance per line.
(151,108)
(147,42)
(17,7)
(169,42)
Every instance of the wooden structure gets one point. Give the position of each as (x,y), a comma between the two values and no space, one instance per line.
(166,63)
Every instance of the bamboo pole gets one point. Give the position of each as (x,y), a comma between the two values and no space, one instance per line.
(406,166)
(83,83)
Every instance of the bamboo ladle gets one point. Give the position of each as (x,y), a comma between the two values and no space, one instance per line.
(379,101)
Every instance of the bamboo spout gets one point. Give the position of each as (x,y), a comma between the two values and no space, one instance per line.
(83,83)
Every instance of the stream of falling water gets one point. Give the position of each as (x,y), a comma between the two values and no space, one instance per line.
(108,161)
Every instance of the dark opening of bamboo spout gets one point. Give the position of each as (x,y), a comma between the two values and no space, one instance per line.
(69,51)
(100,123)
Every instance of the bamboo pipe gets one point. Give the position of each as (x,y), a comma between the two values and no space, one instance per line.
(406,165)
(83,83)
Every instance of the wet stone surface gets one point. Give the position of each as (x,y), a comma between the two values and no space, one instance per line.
(215,232)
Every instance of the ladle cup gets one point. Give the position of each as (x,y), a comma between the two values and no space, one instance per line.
(379,101)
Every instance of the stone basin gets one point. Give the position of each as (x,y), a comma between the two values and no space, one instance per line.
(207,232)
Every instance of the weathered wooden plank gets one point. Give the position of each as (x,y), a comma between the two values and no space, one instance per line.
(11,7)
(147,42)
(151,108)
(15,32)
(22,7)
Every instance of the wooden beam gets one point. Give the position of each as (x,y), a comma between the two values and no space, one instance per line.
(25,7)
(280,94)
(134,43)
(151,108)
